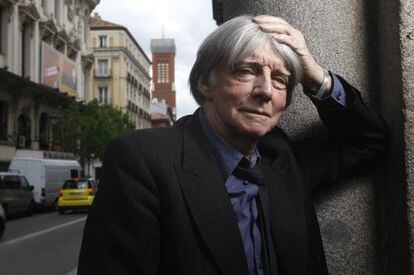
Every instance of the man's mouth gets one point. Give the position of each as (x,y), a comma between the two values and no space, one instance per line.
(255,111)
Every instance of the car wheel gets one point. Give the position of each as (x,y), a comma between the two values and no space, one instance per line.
(2,221)
(6,212)
(31,208)
(55,205)
(2,227)
(61,211)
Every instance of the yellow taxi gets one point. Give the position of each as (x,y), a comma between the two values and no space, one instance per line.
(76,194)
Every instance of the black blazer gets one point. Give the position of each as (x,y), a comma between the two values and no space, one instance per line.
(162,206)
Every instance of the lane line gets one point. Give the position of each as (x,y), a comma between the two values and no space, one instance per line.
(73,272)
(35,234)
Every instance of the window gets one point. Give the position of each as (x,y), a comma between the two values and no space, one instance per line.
(163,71)
(103,95)
(58,16)
(44,6)
(44,131)
(70,10)
(4,110)
(25,50)
(74,173)
(73,55)
(24,183)
(1,30)
(85,30)
(74,184)
(10,182)
(103,67)
(103,41)
(60,46)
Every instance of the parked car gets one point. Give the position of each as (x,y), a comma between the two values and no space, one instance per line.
(76,194)
(2,221)
(16,194)
(46,172)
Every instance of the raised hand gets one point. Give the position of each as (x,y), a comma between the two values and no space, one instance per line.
(284,33)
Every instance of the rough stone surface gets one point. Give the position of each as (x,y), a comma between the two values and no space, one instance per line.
(396,99)
(346,219)
(343,36)
(407,75)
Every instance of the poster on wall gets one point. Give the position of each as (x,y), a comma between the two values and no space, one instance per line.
(58,71)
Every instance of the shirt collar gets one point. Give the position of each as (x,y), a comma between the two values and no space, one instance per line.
(228,157)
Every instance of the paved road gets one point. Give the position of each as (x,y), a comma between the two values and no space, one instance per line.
(44,244)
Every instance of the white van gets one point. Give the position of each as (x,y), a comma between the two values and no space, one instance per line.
(46,171)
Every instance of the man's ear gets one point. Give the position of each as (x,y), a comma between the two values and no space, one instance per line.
(204,89)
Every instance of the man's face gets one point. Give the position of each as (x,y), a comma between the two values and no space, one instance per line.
(248,101)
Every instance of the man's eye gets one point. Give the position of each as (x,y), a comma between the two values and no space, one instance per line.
(279,83)
(243,72)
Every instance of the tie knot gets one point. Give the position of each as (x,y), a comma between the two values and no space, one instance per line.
(253,174)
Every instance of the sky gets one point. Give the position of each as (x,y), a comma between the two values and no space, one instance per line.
(187,21)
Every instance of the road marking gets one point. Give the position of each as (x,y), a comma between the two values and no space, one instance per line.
(73,272)
(35,234)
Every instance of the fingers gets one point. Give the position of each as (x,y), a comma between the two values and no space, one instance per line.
(282,32)
(283,39)
(276,25)
(285,34)
(276,28)
(268,19)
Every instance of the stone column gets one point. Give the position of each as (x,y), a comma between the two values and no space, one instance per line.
(396,32)
(363,219)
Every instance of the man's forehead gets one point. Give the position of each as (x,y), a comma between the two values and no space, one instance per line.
(265,56)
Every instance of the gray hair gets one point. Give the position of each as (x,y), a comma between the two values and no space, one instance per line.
(229,45)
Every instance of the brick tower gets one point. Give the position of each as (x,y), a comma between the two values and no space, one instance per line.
(163,60)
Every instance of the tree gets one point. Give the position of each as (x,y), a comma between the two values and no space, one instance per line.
(87,129)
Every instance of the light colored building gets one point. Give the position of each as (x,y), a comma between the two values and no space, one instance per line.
(44,63)
(121,71)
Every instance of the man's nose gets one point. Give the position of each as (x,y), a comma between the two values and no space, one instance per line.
(264,84)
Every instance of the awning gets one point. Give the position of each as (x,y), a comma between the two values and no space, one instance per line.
(15,84)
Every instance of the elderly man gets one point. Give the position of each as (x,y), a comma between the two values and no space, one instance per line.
(224,191)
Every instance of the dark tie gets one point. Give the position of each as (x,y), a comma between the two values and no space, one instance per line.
(253,175)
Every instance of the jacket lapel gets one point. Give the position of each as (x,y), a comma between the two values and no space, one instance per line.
(287,220)
(207,200)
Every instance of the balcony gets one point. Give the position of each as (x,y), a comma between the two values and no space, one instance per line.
(103,72)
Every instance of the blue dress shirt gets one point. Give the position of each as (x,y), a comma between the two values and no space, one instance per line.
(242,193)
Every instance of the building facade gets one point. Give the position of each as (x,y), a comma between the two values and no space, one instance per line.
(45,62)
(163,73)
(121,71)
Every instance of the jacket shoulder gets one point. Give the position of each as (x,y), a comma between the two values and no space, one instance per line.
(274,143)
(151,141)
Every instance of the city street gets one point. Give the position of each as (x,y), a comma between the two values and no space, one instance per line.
(45,243)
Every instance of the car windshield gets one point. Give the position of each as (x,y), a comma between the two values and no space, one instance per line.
(9,182)
(70,184)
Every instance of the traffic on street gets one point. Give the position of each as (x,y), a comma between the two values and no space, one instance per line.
(45,243)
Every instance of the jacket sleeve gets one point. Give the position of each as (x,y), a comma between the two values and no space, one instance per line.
(122,231)
(357,136)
